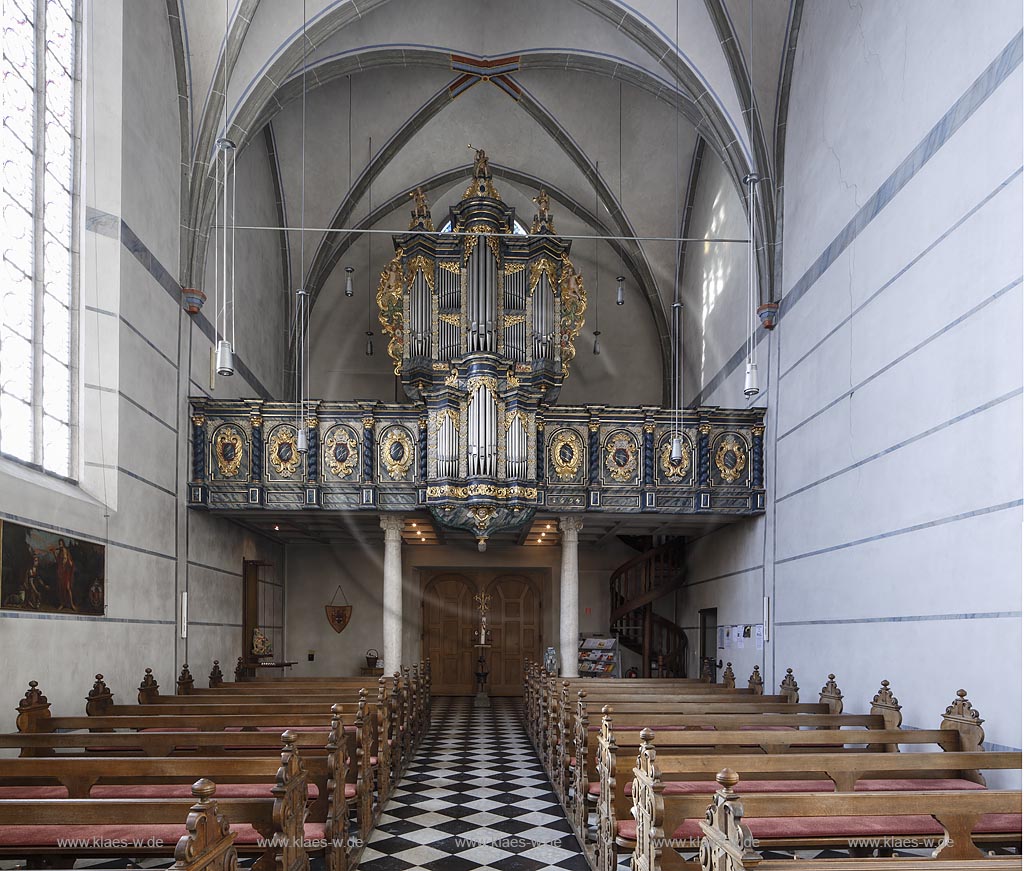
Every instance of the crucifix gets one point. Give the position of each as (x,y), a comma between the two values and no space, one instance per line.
(482,643)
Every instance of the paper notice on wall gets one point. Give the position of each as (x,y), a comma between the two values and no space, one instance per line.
(759,636)
(737,632)
(721,638)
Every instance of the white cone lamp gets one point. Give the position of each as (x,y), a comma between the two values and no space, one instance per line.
(225,358)
(750,387)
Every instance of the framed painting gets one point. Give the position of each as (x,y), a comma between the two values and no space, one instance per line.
(50,572)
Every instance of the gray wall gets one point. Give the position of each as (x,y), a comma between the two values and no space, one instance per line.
(142,356)
(891,545)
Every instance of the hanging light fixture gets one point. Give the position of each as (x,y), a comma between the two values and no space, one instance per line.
(225,166)
(676,449)
(369,253)
(620,298)
(301,293)
(750,386)
(349,270)
(597,272)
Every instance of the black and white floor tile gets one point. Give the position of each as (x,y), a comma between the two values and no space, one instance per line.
(475,796)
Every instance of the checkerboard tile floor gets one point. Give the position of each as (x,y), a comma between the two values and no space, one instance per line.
(475,796)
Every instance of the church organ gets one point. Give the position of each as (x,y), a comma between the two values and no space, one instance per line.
(481,323)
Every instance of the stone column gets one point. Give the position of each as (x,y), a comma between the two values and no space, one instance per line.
(569,615)
(392,591)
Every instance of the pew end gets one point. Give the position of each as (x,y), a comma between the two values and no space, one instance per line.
(33,710)
(209,842)
(99,699)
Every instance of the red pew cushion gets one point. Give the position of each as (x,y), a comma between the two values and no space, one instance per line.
(34,792)
(777,828)
(916,783)
(842,827)
(626,829)
(184,790)
(688,787)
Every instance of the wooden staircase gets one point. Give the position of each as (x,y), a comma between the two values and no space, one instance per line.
(635,586)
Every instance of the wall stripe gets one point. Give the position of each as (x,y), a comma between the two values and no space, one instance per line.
(33,615)
(104,224)
(139,333)
(200,565)
(925,342)
(145,410)
(756,568)
(972,99)
(920,256)
(1016,503)
(908,441)
(134,475)
(911,618)
(62,530)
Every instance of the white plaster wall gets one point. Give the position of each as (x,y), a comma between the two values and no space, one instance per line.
(136,377)
(892,542)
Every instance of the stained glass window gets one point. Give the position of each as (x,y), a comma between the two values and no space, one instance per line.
(38,148)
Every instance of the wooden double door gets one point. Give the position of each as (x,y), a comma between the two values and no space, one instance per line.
(450,617)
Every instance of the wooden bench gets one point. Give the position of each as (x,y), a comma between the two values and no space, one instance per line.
(541,691)
(955,770)
(35,718)
(727,831)
(568,740)
(718,734)
(208,843)
(556,730)
(273,826)
(409,696)
(414,688)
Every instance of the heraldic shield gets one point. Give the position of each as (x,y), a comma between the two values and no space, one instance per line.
(338,616)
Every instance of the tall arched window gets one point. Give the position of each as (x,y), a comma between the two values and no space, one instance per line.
(36,315)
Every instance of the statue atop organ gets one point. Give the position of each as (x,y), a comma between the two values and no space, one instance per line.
(482,325)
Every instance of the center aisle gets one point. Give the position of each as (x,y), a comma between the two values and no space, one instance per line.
(475,796)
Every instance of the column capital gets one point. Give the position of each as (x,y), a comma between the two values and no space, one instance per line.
(570,525)
(392,524)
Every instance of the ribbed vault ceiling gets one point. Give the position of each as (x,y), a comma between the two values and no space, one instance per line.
(574,69)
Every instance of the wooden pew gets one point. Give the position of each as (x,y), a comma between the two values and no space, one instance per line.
(567,742)
(556,730)
(385,756)
(31,827)
(955,768)
(208,843)
(408,702)
(416,685)
(540,692)
(951,821)
(34,717)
